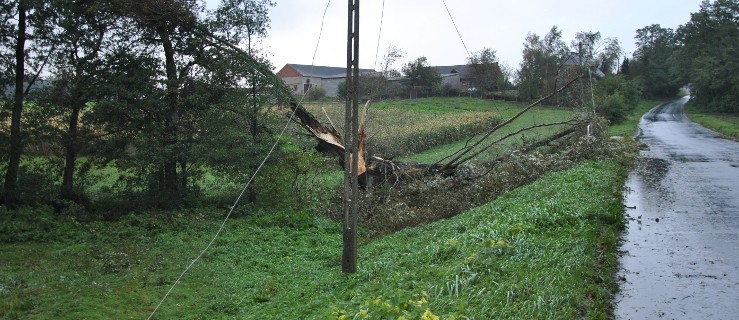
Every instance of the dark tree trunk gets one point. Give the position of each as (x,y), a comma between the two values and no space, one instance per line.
(10,194)
(70,145)
(170,186)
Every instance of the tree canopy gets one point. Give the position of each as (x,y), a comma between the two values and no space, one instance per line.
(485,72)
(143,84)
(651,60)
(419,75)
(707,55)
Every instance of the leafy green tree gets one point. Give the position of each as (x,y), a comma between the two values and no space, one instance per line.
(651,60)
(707,55)
(542,58)
(80,38)
(485,71)
(392,55)
(245,22)
(167,26)
(596,51)
(419,75)
(616,97)
(624,69)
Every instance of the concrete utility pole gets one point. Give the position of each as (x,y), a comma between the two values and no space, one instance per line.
(351,158)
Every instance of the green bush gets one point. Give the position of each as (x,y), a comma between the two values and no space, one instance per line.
(315,93)
(296,179)
(616,97)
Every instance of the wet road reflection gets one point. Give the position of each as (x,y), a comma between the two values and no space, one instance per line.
(680,254)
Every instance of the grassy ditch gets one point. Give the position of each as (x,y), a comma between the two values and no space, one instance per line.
(726,125)
(543,251)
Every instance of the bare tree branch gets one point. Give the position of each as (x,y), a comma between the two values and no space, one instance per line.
(456,160)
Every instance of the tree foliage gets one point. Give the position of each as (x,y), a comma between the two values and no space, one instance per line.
(24,50)
(596,51)
(616,97)
(485,72)
(392,55)
(146,85)
(651,60)
(542,58)
(707,55)
(420,77)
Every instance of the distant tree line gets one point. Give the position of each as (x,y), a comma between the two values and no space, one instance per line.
(702,54)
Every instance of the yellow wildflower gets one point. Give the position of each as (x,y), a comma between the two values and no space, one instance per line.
(429,316)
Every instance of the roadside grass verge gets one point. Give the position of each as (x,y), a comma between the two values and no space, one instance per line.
(543,251)
(726,125)
(628,127)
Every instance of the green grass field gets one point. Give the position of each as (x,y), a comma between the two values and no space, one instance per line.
(544,251)
(504,110)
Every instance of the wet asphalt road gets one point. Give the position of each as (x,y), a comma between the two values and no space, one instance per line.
(680,253)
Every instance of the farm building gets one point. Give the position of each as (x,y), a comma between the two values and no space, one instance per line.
(302,77)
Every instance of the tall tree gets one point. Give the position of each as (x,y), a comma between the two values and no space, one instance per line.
(539,68)
(707,55)
(24,49)
(392,55)
(596,51)
(485,71)
(419,75)
(169,25)
(242,23)
(81,32)
(651,60)
(246,22)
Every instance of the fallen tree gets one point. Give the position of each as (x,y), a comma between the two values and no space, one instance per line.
(374,169)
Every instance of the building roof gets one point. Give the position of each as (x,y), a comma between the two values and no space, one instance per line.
(461,69)
(323,71)
(574,60)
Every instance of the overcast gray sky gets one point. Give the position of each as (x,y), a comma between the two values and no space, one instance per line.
(423,27)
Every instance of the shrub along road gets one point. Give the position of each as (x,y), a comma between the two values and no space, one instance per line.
(679,255)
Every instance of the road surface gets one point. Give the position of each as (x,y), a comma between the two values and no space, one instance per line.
(680,253)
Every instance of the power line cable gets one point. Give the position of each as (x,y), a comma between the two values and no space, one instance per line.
(246,186)
(379,33)
(455,27)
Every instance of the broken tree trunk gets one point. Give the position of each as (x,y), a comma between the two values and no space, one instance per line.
(376,168)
